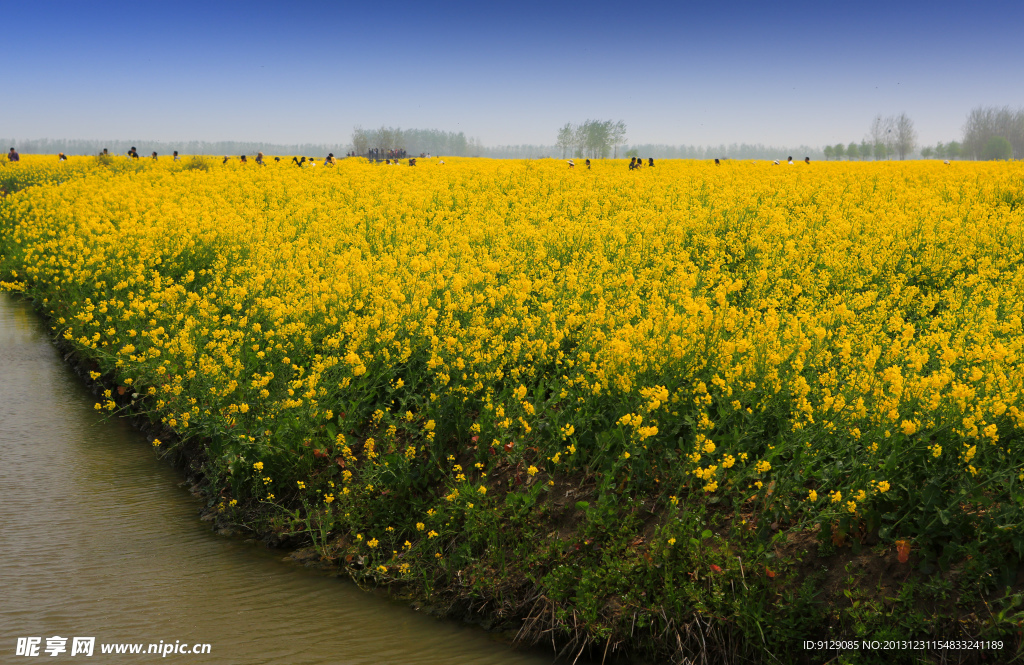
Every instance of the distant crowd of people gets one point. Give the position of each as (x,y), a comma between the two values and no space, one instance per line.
(374,154)
(329,160)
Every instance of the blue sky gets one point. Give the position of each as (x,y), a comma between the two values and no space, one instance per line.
(703,73)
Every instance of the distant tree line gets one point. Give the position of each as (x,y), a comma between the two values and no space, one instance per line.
(730,151)
(887,137)
(415,141)
(951,150)
(592,138)
(120,147)
(521,151)
(859,151)
(988,133)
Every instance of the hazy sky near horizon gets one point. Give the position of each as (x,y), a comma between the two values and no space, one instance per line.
(700,73)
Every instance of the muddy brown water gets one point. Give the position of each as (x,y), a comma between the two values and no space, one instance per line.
(99,539)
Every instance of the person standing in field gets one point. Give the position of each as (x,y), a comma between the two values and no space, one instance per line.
(154,155)
(13,156)
(259,158)
(61,157)
(176,158)
(807,160)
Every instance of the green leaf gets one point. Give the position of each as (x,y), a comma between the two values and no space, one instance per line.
(582,505)
(706,534)
(891,463)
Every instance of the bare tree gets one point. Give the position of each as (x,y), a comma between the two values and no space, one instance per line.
(895,133)
(880,134)
(905,139)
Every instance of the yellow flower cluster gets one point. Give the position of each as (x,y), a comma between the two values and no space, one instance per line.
(869,312)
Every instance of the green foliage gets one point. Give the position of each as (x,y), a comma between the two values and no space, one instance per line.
(997,147)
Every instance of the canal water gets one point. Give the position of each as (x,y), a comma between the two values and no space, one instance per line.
(98,539)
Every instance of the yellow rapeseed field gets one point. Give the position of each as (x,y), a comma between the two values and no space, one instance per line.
(834,344)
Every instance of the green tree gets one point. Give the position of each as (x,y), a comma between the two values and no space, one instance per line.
(997,147)
(852,151)
(983,123)
(940,150)
(593,138)
(927,152)
(839,150)
(865,150)
(954,149)
(360,141)
(829,152)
